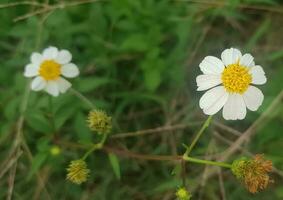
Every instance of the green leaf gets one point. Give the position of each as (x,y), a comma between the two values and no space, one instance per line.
(81,129)
(11,108)
(37,162)
(38,122)
(259,33)
(152,79)
(135,42)
(115,165)
(63,115)
(90,84)
(275,55)
(153,67)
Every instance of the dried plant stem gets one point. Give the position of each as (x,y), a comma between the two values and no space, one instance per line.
(48,8)
(11,182)
(221,184)
(9,163)
(31,3)
(277,9)
(130,154)
(127,153)
(30,158)
(154,130)
(18,141)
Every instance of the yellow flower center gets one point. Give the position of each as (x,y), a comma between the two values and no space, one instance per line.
(236,78)
(50,70)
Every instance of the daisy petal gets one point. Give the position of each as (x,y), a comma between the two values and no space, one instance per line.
(52,88)
(36,58)
(213,100)
(253,98)
(38,83)
(50,53)
(63,85)
(258,75)
(231,56)
(64,57)
(207,81)
(234,108)
(70,70)
(211,65)
(31,70)
(247,60)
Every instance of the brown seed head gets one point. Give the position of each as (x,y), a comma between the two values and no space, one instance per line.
(253,172)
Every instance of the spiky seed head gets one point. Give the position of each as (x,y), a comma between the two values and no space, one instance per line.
(99,122)
(77,171)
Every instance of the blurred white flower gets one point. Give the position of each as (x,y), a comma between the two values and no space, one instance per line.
(237,74)
(48,67)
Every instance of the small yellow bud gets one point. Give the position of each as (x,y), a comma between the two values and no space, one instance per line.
(253,172)
(99,121)
(55,150)
(78,171)
(183,194)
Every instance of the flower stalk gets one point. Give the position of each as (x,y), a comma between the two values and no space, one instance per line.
(195,140)
(82,98)
(95,147)
(206,162)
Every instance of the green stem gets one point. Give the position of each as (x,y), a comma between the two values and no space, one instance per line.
(51,115)
(95,146)
(82,98)
(206,162)
(204,126)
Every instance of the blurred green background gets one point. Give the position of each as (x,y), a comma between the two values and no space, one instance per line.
(138,61)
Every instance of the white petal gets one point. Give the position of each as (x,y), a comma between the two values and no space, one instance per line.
(50,53)
(38,83)
(70,70)
(36,58)
(64,57)
(63,85)
(247,60)
(213,100)
(211,65)
(253,98)
(258,75)
(207,81)
(231,56)
(235,107)
(31,70)
(52,88)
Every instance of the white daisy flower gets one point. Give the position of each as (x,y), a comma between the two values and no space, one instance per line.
(48,67)
(234,75)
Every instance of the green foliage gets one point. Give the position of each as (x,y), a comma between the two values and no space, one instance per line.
(115,165)
(138,60)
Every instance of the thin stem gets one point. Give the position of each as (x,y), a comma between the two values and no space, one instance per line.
(204,126)
(95,146)
(206,162)
(82,98)
(21,3)
(129,154)
(51,115)
(154,130)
